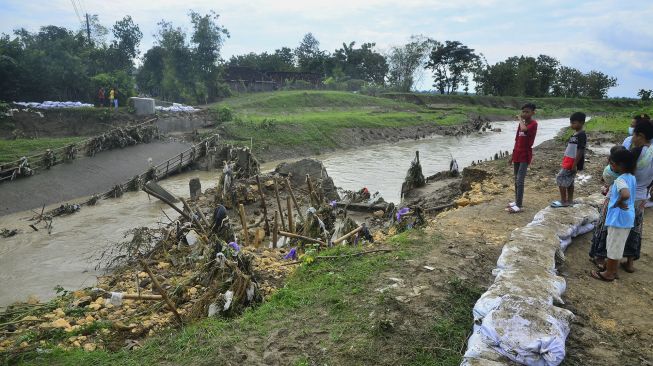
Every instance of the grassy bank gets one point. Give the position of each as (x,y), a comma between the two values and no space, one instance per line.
(316,120)
(11,150)
(328,312)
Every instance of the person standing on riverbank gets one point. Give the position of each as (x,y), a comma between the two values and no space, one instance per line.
(522,154)
(643,153)
(620,217)
(572,161)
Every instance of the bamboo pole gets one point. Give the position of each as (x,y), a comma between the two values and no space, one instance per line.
(347,236)
(275,233)
(191,215)
(311,193)
(291,223)
(243,222)
(294,200)
(301,237)
(158,287)
(263,206)
(276,193)
(141,297)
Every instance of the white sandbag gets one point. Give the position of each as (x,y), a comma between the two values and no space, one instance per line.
(532,283)
(569,222)
(527,331)
(479,353)
(523,254)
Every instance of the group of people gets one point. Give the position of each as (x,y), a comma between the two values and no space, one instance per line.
(628,178)
(112,98)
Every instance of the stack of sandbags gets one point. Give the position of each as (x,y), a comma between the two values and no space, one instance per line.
(516,319)
(53,105)
(176,107)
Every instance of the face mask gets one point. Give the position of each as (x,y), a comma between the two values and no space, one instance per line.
(631,130)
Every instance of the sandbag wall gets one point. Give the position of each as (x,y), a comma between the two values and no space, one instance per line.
(517,319)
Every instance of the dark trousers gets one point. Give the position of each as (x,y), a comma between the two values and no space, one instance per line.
(520,177)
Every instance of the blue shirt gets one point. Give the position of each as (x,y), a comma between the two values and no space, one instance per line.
(627,142)
(616,216)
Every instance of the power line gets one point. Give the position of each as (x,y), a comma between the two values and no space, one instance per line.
(76,11)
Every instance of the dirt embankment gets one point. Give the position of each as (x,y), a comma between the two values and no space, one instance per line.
(613,323)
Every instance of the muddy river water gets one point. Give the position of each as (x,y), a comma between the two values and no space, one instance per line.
(33,263)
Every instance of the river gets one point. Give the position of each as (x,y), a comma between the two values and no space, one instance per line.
(33,263)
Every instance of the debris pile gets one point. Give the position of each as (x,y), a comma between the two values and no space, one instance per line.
(209,261)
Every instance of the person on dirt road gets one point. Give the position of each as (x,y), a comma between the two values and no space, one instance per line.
(522,154)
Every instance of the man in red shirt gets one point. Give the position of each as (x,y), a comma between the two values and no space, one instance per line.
(522,154)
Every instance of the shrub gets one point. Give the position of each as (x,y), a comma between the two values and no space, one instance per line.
(224,114)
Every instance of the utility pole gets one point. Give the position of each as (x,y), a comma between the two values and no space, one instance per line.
(88,29)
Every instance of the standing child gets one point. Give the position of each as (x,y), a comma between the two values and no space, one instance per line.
(100,97)
(112,94)
(522,154)
(620,217)
(572,161)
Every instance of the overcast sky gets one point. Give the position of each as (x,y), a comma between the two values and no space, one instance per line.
(615,37)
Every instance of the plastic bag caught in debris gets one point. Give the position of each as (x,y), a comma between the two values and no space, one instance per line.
(116,299)
(229,297)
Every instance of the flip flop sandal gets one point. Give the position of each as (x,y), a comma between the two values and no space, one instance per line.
(558,204)
(511,204)
(600,267)
(514,210)
(599,276)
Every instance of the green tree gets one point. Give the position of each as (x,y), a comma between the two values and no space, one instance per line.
(546,68)
(450,61)
(569,83)
(597,84)
(404,62)
(361,63)
(127,36)
(309,56)
(645,94)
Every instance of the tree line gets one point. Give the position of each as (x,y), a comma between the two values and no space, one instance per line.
(62,64)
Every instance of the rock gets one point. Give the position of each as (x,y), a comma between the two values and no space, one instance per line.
(298,170)
(60,323)
(164,265)
(462,202)
(32,299)
(89,347)
(269,184)
(30,318)
(95,306)
(379,213)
